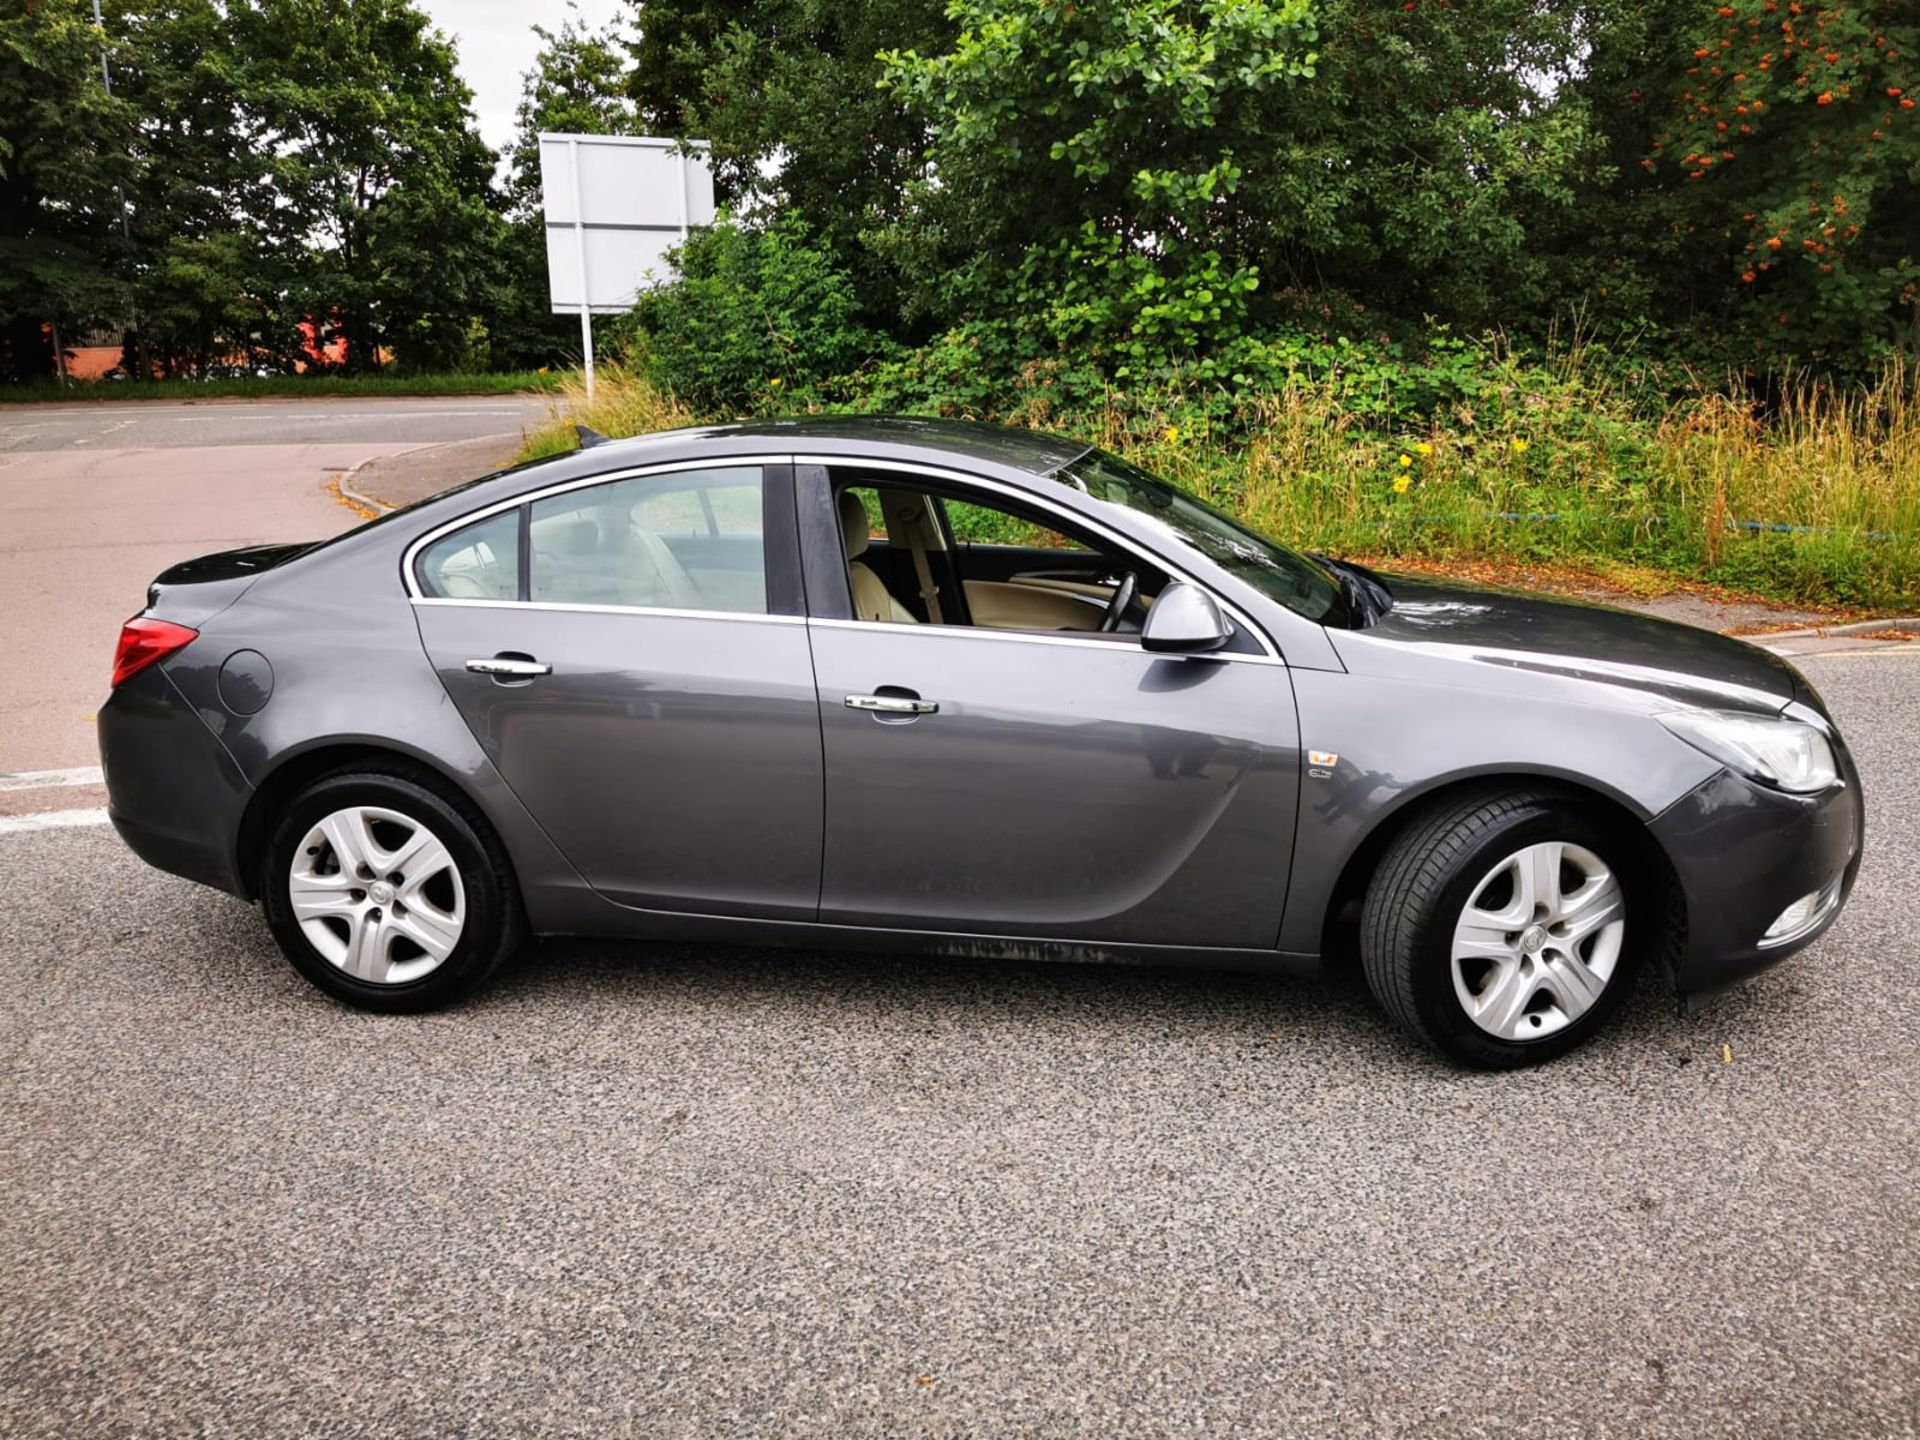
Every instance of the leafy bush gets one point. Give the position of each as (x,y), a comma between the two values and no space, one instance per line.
(754,313)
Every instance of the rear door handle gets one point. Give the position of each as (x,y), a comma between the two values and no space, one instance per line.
(509,667)
(894,704)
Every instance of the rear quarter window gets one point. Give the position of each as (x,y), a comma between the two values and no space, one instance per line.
(480,561)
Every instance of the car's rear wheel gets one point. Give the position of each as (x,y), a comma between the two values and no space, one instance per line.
(1503,929)
(387,893)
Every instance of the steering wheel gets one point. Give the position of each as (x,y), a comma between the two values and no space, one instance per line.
(1123,594)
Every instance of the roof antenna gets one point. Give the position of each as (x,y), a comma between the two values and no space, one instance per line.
(589,437)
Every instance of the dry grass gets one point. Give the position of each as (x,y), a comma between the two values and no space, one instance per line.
(623,404)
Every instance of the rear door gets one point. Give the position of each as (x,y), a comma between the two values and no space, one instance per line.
(632,656)
(1009,782)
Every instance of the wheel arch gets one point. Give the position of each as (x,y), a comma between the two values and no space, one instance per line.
(295,770)
(1612,809)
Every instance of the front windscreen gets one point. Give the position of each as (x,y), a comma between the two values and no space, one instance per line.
(1295,581)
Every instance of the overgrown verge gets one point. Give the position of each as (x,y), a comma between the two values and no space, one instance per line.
(1467,455)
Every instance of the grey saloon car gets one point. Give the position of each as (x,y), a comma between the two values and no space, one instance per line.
(969,691)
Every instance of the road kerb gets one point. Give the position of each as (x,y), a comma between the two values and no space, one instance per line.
(367,502)
(1909,623)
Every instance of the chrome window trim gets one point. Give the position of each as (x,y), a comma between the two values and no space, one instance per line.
(1270,652)
(565,606)
(1271,655)
(1038,637)
(608,477)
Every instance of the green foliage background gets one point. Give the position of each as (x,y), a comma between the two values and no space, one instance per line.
(1143,186)
(1623,278)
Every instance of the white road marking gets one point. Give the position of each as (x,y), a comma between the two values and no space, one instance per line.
(50,779)
(117,425)
(51,820)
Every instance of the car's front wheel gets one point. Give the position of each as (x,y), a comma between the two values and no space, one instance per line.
(1503,929)
(388,894)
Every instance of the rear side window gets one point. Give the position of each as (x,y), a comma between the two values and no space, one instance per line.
(690,540)
(480,561)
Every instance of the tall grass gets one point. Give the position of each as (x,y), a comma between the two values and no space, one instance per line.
(623,404)
(1816,501)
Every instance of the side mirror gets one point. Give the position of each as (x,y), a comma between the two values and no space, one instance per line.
(1184,621)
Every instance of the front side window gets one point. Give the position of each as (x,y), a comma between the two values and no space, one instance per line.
(480,561)
(1302,585)
(952,557)
(691,540)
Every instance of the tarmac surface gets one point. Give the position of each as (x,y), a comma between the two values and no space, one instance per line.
(678,1190)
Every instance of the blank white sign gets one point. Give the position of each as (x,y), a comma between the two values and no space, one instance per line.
(637,197)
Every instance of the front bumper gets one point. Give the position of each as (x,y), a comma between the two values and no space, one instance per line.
(173,792)
(1742,853)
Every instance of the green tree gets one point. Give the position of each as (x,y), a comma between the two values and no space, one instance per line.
(383,221)
(64,159)
(789,95)
(754,312)
(1794,133)
(196,207)
(576,85)
(1094,153)
(1149,164)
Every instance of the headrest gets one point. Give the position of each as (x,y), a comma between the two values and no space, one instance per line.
(854,527)
(576,537)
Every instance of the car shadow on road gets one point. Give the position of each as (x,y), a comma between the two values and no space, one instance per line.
(1333,1019)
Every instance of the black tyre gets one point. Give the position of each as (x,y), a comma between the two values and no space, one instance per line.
(388,892)
(1504,929)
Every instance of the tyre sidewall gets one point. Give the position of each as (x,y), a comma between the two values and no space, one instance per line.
(486,901)
(1439,1008)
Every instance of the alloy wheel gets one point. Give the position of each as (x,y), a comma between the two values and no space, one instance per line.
(1538,942)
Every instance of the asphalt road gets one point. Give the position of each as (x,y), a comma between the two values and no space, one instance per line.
(97,499)
(677,1191)
(209,424)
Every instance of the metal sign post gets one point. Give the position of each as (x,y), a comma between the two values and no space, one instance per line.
(614,206)
(580,249)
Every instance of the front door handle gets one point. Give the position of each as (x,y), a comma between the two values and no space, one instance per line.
(894,704)
(509,667)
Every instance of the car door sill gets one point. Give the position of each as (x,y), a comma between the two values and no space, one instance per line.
(634,923)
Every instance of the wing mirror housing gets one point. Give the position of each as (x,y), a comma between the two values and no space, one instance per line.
(1183,620)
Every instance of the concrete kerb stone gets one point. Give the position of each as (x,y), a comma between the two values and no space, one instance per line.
(1909,623)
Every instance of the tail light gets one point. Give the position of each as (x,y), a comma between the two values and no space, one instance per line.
(144,640)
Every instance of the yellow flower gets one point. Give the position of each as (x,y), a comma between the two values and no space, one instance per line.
(1173,434)
(774,383)
(1402,483)
(1423,447)
(1519,445)
(1405,460)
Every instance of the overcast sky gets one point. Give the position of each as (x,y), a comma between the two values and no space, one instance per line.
(497,46)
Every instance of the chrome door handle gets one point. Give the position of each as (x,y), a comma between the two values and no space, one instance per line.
(513,669)
(893,704)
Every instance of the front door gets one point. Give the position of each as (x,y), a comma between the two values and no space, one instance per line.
(624,665)
(1055,787)
(1007,779)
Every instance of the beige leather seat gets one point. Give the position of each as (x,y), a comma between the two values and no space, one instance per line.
(871,599)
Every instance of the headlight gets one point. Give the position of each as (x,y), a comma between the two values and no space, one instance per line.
(1775,751)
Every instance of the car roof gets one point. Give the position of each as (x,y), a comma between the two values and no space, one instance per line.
(1018,455)
(1031,451)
